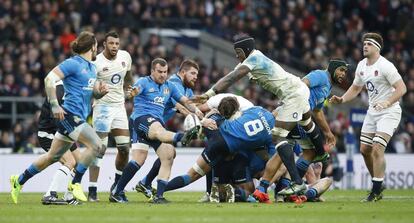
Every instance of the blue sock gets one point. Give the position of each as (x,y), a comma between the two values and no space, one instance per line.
(117,177)
(282,184)
(311,194)
(80,169)
(162,184)
(209,181)
(178,136)
(302,166)
(27,174)
(147,181)
(129,171)
(240,195)
(264,184)
(178,182)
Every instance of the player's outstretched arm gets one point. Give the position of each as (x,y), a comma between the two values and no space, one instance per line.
(50,86)
(222,84)
(350,94)
(188,104)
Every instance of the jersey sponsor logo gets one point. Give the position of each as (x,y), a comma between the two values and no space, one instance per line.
(295,115)
(116,78)
(151,90)
(105,69)
(91,83)
(371,88)
(159,100)
(361,73)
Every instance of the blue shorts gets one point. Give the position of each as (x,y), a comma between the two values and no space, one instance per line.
(216,149)
(139,129)
(234,171)
(69,124)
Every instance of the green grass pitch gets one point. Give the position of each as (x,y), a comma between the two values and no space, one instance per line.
(341,206)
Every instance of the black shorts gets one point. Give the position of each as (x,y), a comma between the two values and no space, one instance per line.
(216,149)
(139,129)
(234,171)
(46,142)
(68,125)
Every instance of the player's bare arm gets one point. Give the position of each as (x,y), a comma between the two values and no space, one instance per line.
(320,119)
(127,80)
(350,94)
(191,107)
(180,108)
(400,90)
(223,84)
(100,89)
(50,86)
(306,81)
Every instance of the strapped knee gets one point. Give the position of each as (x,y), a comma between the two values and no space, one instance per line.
(122,143)
(366,139)
(198,169)
(140,146)
(305,122)
(96,162)
(380,140)
(281,132)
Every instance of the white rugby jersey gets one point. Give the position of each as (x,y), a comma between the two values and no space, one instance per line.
(214,101)
(378,79)
(271,76)
(112,72)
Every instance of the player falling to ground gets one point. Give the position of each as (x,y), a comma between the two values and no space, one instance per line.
(113,67)
(184,81)
(240,131)
(147,128)
(210,104)
(79,80)
(385,88)
(47,128)
(293,94)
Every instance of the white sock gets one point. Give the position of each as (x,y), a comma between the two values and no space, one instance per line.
(59,180)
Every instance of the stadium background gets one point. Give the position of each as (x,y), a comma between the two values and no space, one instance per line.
(301,35)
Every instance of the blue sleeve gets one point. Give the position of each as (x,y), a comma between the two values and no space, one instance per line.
(69,67)
(190,93)
(175,92)
(140,84)
(316,78)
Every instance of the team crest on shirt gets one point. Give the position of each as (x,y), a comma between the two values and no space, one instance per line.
(376,73)
(123,64)
(166,91)
(361,73)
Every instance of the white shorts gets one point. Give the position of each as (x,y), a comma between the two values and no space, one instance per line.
(107,117)
(385,121)
(293,107)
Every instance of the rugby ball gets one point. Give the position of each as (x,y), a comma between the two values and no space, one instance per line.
(191,121)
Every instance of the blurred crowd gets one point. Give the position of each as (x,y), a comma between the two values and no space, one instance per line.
(305,34)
